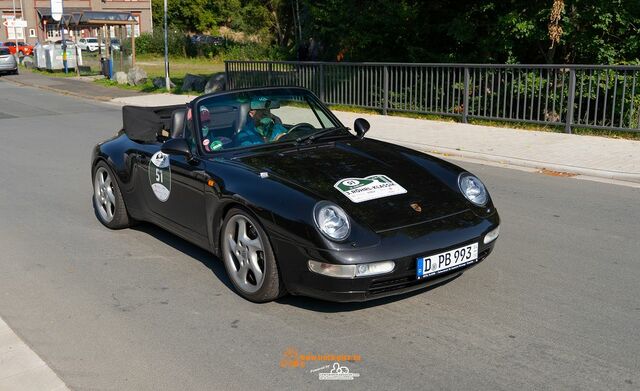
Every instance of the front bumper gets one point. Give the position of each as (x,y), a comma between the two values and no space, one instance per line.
(403,247)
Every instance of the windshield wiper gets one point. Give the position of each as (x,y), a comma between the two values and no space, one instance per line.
(308,139)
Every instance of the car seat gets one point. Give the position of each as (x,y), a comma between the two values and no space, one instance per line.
(177,123)
(243,113)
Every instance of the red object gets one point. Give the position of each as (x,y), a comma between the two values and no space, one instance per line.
(11,46)
(24,48)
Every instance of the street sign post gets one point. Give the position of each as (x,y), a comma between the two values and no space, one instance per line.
(167,80)
(57,11)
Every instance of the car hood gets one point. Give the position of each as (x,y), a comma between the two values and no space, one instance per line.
(413,187)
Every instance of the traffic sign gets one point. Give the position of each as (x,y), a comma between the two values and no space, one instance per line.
(56,10)
(15,23)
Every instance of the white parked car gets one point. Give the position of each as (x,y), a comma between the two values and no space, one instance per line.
(90,44)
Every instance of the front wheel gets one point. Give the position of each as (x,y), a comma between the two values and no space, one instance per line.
(107,199)
(249,259)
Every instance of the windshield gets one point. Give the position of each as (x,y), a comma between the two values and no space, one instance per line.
(92,40)
(258,117)
(4,51)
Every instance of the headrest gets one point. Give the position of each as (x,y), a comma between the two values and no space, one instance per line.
(177,123)
(243,112)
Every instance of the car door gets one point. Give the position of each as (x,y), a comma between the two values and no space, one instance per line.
(173,190)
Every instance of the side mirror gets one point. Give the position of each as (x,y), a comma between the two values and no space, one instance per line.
(177,146)
(361,126)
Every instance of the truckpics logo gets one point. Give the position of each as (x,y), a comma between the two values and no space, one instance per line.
(337,370)
(368,188)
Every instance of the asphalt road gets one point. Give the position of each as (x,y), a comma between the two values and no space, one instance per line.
(556,306)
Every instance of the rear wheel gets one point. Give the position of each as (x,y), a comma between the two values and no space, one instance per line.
(249,259)
(107,198)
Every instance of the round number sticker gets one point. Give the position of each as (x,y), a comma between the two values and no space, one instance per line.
(160,176)
(351,182)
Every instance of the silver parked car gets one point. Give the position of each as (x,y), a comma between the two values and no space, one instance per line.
(8,63)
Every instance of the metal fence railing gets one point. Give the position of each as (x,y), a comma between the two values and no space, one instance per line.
(585,96)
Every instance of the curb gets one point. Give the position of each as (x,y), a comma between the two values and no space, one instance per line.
(450,152)
(63,92)
(21,368)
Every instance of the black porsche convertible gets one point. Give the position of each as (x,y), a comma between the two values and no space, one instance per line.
(290,199)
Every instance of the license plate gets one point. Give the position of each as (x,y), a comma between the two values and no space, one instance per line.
(449,260)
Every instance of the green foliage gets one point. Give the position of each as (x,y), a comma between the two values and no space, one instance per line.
(252,51)
(514,31)
(196,15)
(482,31)
(153,43)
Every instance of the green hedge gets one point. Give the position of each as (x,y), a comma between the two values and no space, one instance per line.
(180,45)
(153,43)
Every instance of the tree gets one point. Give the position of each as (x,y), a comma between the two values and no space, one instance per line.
(482,31)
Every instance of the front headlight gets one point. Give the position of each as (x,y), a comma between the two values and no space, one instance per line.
(331,220)
(473,189)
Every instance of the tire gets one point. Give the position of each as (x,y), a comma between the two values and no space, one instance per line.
(15,72)
(246,256)
(108,203)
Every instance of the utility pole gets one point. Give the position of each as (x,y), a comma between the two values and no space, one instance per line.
(15,32)
(64,47)
(57,13)
(22,17)
(167,81)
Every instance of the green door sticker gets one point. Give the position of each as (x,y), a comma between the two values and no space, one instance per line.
(369,188)
(160,175)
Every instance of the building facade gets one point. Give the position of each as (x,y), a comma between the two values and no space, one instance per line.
(36,30)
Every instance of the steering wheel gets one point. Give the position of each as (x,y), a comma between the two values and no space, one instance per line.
(294,129)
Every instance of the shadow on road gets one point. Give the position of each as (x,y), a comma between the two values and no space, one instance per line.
(205,257)
(306,303)
(317,305)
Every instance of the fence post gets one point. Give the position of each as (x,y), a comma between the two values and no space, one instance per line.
(385,104)
(227,84)
(270,74)
(465,99)
(321,86)
(572,98)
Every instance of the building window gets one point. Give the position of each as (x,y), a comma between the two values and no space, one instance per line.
(136,27)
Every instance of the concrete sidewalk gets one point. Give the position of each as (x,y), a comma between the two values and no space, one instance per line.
(600,157)
(82,87)
(21,368)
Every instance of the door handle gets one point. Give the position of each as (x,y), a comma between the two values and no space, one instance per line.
(201,175)
(141,158)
